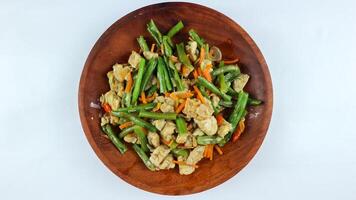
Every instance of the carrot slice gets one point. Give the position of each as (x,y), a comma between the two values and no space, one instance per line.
(125,125)
(143,98)
(184,163)
(129,83)
(219,119)
(240,128)
(107,107)
(231,61)
(206,72)
(180,107)
(195,74)
(218,149)
(153,47)
(152,97)
(199,95)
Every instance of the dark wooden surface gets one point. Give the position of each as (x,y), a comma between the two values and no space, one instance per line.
(116,44)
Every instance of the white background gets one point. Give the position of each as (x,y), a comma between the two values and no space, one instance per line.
(310,148)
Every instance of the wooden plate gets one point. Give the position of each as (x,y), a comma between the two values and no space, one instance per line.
(115,45)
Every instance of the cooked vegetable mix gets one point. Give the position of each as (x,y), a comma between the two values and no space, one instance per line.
(175,103)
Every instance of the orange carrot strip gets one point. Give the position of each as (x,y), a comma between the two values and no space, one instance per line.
(129,83)
(184,163)
(218,149)
(180,107)
(212,151)
(153,47)
(195,74)
(152,97)
(231,61)
(181,95)
(206,72)
(219,119)
(167,94)
(107,107)
(125,125)
(200,73)
(240,128)
(202,55)
(199,95)
(143,97)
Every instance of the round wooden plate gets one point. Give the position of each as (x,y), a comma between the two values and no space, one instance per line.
(115,45)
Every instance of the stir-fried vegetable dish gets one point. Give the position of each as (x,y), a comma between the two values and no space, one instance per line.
(175,103)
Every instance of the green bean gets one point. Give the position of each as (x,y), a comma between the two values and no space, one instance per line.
(182,56)
(196,38)
(141,137)
(180,152)
(237,113)
(176,77)
(175,29)
(144,157)
(136,120)
(166,46)
(136,91)
(155,33)
(152,90)
(226,69)
(229,77)
(143,44)
(232,92)
(137,108)
(155,115)
(151,66)
(114,139)
(167,78)
(160,76)
(181,126)
(207,139)
(227,104)
(213,88)
(221,78)
(127,99)
(126,131)
(253,102)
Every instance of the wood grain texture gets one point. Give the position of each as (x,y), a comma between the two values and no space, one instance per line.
(115,45)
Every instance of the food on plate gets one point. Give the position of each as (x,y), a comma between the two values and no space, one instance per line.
(175,103)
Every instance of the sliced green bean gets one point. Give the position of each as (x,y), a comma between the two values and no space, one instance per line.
(155,33)
(137,87)
(181,126)
(141,137)
(126,131)
(167,78)
(182,56)
(151,66)
(160,76)
(136,120)
(206,139)
(253,102)
(175,29)
(226,69)
(180,152)
(156,115)
(166,46)
(148,106)
(143,44)
(196,38)
(114,139)
(231,76)
(141,153)
(213,88)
